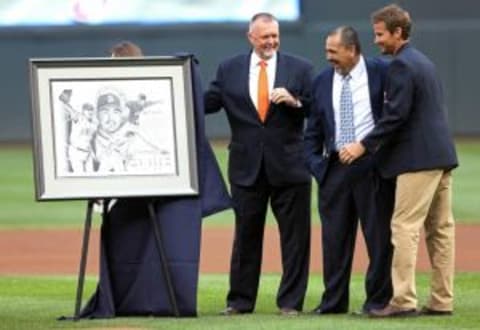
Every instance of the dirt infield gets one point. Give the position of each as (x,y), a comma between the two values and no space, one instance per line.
(55,252)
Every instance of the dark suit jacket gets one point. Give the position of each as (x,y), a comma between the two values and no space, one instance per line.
(414,130)
(320,134)
(279,141)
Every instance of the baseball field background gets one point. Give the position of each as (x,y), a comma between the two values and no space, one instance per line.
(32,297)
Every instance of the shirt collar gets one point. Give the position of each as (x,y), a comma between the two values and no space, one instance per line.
(357,71)
(255,59)
(402,47)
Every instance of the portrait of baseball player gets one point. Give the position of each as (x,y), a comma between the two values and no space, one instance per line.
(114,128)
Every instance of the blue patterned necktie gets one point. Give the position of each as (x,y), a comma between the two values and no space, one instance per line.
(347,128)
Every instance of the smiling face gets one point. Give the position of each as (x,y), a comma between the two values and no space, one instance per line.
(387,42)
(392,26)
(341,57)
(264,36)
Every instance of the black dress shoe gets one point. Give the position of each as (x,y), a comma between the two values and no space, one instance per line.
(316,311)
(229,311)
(393,311)
(285,311)
(361,312)
(320,311)
(434,312)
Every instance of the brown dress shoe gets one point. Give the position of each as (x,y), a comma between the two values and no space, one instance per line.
(289,312)
(230,311)
(434,312)
(393,311)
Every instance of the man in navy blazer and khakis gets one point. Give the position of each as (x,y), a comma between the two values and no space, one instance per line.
(266,162)
(416,148)
(348,193)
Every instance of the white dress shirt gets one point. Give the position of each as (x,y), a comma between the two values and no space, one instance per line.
(254,71)
(362,108)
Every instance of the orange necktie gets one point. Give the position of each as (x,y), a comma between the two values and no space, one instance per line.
(263,99)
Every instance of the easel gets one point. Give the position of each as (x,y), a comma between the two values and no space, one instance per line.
(158,241)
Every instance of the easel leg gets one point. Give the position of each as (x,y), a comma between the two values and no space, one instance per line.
(163,260)
(83,260)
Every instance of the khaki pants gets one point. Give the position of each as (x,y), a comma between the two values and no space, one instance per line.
(423,199)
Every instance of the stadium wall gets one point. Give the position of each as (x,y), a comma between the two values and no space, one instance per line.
(445,30)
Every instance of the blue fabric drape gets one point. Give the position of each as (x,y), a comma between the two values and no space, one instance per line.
(131,280)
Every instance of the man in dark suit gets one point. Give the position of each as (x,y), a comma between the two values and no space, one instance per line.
(417,148)
(349,193)
(266,95)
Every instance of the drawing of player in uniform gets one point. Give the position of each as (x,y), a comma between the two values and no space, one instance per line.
(137,106)
(82,128)
(120,144)
(113,130)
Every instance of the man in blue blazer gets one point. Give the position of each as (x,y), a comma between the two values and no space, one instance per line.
(416,148)
(349,193)
(266,162)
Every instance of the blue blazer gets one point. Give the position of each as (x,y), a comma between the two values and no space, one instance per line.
(320,134)
(278,142)
(414,132)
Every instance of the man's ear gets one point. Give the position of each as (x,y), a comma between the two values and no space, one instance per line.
(398,32)
(249,37)
(352,49)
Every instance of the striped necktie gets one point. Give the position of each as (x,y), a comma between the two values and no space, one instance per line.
(346,127)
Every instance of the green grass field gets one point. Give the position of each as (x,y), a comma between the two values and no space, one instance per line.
(29,302)
(19,209)
(36,302)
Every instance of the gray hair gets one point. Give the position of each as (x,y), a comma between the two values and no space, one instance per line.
(267,17)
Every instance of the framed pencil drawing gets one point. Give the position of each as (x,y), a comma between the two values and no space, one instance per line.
(113,127)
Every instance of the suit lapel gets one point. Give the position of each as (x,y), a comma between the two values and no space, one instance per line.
(371,82)
(329,113)
(245,79)
(373,85)
(281,73)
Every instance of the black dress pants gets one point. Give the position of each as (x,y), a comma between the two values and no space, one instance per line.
(291,207)
(348,194)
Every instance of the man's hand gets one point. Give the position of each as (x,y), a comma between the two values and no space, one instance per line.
(280,94)
(351,152)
